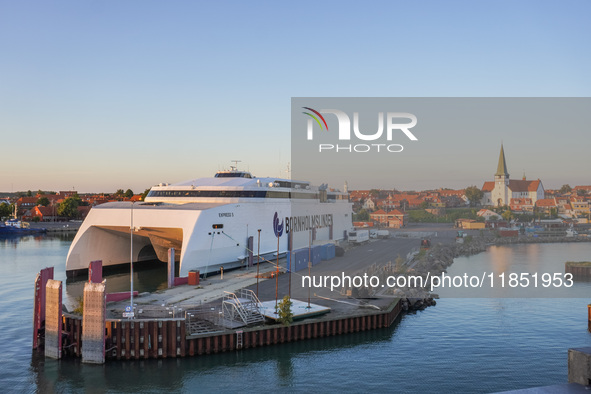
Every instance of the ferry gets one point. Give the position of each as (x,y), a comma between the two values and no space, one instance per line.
(214,222)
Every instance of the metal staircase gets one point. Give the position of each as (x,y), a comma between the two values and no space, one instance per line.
(241,310)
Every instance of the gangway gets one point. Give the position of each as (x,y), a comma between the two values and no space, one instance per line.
(241,310)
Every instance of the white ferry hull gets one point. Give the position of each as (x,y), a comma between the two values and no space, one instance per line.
(189,228)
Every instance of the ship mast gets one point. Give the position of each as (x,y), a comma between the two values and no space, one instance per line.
(235,166)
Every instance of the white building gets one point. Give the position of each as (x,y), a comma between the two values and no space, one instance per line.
(500,191)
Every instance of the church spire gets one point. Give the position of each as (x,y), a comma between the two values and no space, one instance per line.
(502,167)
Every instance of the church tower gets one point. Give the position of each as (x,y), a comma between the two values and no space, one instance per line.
(500,194)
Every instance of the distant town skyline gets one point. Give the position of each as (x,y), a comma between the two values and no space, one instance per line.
(102,96)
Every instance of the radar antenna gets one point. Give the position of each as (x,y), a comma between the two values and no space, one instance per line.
(235,166)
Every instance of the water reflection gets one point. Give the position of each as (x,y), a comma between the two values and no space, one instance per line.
(275,365)
(147,277)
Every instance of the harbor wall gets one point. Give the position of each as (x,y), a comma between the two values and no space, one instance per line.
(167,338)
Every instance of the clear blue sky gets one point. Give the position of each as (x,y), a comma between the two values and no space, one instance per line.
(101,95)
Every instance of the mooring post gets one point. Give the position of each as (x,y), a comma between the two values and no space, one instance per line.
(93,323)
(171,268)
(95,271)
(39,303)
(53,321)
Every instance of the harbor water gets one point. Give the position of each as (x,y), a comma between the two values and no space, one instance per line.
(460,345)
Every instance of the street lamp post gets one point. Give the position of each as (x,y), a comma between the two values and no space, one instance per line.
(258,260)
(131,258)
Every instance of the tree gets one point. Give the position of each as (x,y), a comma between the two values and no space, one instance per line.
(284,311)
(361,216)
(375,193)
(6,210)
(43,201)
(474,194)
(144,194)
(119,194)
(581,192)
(29,193)
(69,207)
(565,189)
(424,205)
(507,215)
(128,193)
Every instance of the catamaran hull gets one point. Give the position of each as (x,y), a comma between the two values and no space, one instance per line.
(205,236)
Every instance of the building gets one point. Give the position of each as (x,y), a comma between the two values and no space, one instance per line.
(45,214)
(394,218)
(546,205)
(487,214)
(500,191)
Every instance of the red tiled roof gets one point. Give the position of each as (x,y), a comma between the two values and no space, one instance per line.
(546,202)
(45,211)
(587,188)
(523,186)
(488,186)
(27,200)
(396,212)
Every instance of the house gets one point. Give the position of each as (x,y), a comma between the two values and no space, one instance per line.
(546,205)
(45,214)
(369,205)
(500,191)
(580,206)
(581,189)
(393,218)
(24,204)
(521,205)
(83,211)
(487,214)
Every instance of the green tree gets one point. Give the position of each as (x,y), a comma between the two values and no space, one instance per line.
(374,193)
(6,210)
(128,193)
(43,201)
(581,192)
(119,194)
(565,189)
(284,311)
(474,194)
(424,205)
(69,207)
(507,215)
(29,193)
(144,194)
(361,216)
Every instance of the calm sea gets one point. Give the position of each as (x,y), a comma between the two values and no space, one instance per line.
(460,345)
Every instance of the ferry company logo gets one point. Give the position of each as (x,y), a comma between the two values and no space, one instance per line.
(393,121)
(277,228)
